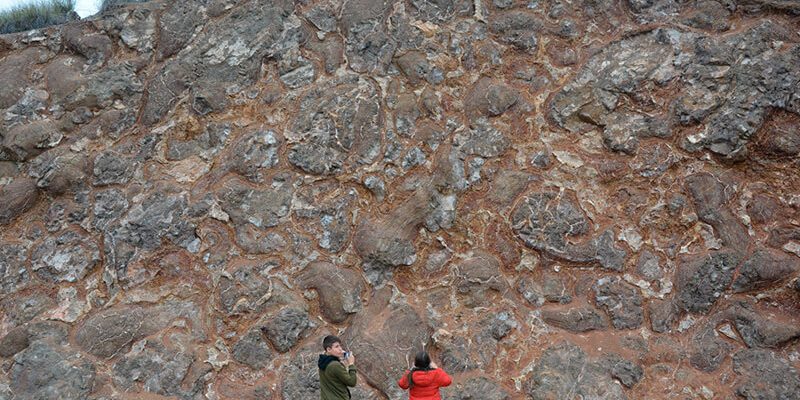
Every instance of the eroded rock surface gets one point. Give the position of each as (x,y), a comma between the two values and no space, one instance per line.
(556,199)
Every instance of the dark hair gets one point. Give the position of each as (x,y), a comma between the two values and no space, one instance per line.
(422,362)
(329,341)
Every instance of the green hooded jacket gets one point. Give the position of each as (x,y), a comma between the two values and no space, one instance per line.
(334,378)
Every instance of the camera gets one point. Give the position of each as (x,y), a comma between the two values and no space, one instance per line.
(347,355)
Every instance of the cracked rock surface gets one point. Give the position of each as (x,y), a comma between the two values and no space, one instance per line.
(556,199)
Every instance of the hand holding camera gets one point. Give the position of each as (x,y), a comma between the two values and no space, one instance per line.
(349,359)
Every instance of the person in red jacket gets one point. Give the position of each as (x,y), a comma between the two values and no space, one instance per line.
(424,380)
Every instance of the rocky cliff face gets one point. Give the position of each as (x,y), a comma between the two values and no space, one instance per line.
(559,199)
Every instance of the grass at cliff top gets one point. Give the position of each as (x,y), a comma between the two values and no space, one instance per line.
(36,15)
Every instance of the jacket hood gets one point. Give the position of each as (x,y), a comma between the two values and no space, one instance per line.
(324,360)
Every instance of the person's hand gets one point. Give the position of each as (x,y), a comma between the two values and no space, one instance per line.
(433,365)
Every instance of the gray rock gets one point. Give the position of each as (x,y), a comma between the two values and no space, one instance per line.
(478,279)
(177,25)
(252,350)
(517,28)
(619,69)
(246,204)
(102,89)
(286,328)
(772,329)
(648,266)
(709,199)
(52,332)
(95,47)
(164,91)
(13,273)
(439,10)
(156,368)
(255,153)
(233,46)
(206,145)
(621,131)
(297,73)
(621,301)
(664,314)
(256,241)
(369,48)
(17,197)
(47,371)
(576,319)
(241,291)
(551,222)
(14,341)
(456,356)
(483,140)
(24,142)
(208,98)
(339,289)
(24,308)
(413,158)
(764,268)
(548,289)
(654,161)
(301,377)
(606,252)
(765,375)
(476,388)
(112,331)
(708,349)
(59,171)
(109,204)
(627,372)
(497,326)
(565,371)
(701,280)
(761,89)
(490,98)
(709,15)
(338,127)
(778,138)
(108,332)
(112,168)
(331,49)
(160,216)
(503,3)
(417,68)
(375,185)
(323,16)
(15,75)
(66,257)
(327,217)
(64,75)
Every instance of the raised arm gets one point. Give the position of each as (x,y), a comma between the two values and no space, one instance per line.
(442,378)
(403,382)
(345,375)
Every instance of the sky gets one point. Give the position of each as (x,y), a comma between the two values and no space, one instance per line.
(84,8)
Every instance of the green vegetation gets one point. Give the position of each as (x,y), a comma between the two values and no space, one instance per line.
(111,4)
(37,15)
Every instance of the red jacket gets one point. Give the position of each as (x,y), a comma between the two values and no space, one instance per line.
(426,384)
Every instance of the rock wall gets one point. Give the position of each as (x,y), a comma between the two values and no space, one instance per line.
(558,199)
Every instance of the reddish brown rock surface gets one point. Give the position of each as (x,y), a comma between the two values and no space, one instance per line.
(556,199)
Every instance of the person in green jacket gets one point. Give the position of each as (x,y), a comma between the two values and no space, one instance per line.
(337,370)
